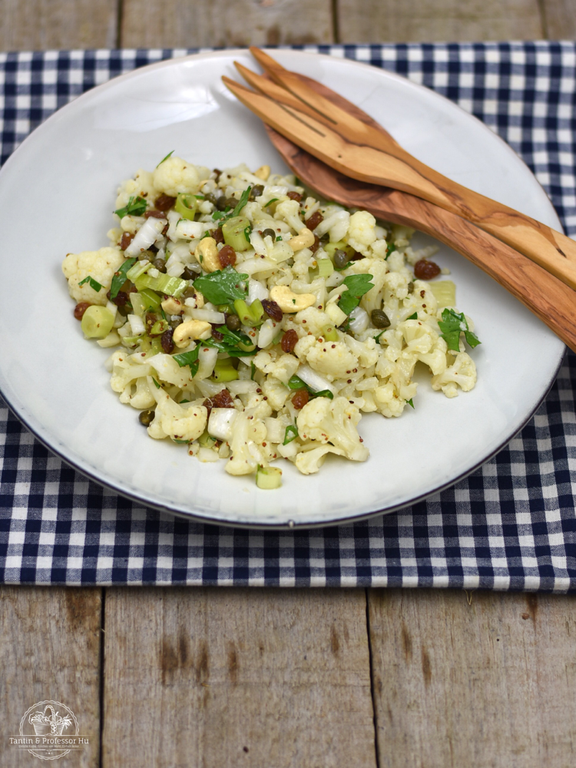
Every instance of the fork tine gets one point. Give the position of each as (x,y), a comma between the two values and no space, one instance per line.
(324,103)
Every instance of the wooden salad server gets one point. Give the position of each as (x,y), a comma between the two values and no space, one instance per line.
(365,152)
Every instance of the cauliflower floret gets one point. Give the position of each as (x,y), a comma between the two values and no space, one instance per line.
(309,462)
(361,231)
(462,373)
(175,175)
(142,185)
(333,421)
(138,394)
(281,368)
(246,445)
(276,392)
(168,370)
(333,359)
(125,371)
(178,422)
(289,211)
(312,320)
(100,265)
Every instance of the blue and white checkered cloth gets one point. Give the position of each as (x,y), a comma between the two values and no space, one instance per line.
(509,526)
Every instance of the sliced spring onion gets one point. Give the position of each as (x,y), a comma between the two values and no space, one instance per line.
(268,478)
(224,371)
(329,333)
(149,299)
(120,277)
(234,233)
(249,314)
(325,267)
(94,284)
(171,286)
(97,322)
(186,206)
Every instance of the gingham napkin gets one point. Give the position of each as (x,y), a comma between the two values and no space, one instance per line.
(509,526)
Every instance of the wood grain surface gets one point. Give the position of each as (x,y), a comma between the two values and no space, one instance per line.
(228,677)
(50,650)
(193,677)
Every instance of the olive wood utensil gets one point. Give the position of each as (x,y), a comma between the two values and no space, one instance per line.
(366,152)
(546,296)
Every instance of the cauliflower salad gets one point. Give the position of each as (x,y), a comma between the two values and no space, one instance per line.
(252,322)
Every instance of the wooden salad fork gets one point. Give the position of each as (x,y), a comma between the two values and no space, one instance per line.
(366,152)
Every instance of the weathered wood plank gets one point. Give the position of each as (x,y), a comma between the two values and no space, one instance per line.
(382,21)
(234,677)
(197,23)
(559,19)
(58,24)
(490,683)
(50,650)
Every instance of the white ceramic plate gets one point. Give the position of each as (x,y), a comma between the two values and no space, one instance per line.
(57,192)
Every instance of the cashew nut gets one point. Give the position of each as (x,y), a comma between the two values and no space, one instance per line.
(263,172)
(288,301)
(172,306)
(304,239)
(191,331)
(207,254)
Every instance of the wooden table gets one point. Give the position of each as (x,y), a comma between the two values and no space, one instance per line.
(271,677)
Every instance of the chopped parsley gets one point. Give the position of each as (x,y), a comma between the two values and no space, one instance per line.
(413,317)
(410,402)
(389,249)
(165,158)
(357,286)
(290,434)
(452,325)
(120,277)
(134,207)
(234,343)
(189,358)
(296,382)
(223,216)
(94,284)
(223,286)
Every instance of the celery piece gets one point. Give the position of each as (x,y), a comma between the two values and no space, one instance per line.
(329,333)
(325,267)
(233,232)
(97,322)
(159,327)
(171,286)
(249,314)
(149,299)
(186,206)
(138,304)
(224,371)
(138,269)
(444,292)
(268,478)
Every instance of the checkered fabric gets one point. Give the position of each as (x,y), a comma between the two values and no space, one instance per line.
(509,526)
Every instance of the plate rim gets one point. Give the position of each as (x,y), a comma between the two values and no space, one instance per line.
(286,524)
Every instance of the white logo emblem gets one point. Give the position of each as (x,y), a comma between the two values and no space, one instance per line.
(49,730)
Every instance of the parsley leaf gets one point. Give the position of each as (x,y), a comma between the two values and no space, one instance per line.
(165,158)
(135,207)
(452,325)
(357,286)
(410,402)
(234,343)
(189,358)
(120,277)
(389,249)
(413,317)
(94,284)
(222,286)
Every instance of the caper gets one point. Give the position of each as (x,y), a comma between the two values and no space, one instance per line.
(379,318)
(211,198)
(159,264)
(233,322)
(340,259)
(231,202)
(189,293)
(175,321)
(269,233)
(256,191)
(189,274)
(411,286)
(222,203)
(146,417)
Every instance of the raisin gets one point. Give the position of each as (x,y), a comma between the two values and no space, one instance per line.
(426,270)
(126,240)
(166,341)
(227,257)
(164,202)
(316,244)
(272,309)
(80,308)
(217,235)
(153,214)
(314,220)
(295,196)
(216,335)
(289,340)
(222,400)
(300,398)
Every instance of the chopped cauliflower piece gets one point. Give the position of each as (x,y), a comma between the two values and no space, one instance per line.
(99,265)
